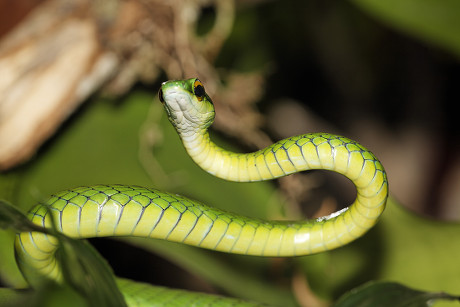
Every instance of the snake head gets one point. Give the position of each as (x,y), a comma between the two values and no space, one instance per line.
(188,106)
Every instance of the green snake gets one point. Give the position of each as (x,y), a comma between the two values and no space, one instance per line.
(118,210)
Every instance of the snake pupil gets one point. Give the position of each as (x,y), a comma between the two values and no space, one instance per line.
(199,91)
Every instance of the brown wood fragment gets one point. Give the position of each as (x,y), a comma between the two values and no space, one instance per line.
(49,64)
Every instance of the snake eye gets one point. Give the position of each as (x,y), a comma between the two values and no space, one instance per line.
(198,90)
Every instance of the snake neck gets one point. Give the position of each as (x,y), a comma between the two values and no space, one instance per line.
(295,154)
(220,162)
(205,153)
(266,164)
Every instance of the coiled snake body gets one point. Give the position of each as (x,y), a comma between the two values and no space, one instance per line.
(118,210)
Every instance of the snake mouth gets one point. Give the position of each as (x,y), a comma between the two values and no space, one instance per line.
(163,102)
(160,96)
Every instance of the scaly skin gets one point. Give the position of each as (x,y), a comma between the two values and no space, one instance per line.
(118,210)
(191,113)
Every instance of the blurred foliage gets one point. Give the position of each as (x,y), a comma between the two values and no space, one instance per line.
(432,21)
(88,149)
(101,145)
(369,295)
(88,280)
(403,247)
(84,271)
(297,43)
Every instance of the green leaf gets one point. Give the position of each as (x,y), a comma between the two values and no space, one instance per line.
(87,272)
(49,295)
(11,217)
(9,272)
(10,297)
(417,251)
(403,247)
(107,144)
(434,21)
(376,294)
(83,268)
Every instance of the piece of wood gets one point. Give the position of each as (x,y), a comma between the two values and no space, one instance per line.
(49,64)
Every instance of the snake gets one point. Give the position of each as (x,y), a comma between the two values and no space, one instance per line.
(122,210)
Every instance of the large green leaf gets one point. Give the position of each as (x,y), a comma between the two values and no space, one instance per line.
(103,144)
(9,272)
(50,295)
(403,247)
(382,294)
(433,21)
(83,268)
(89,281)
